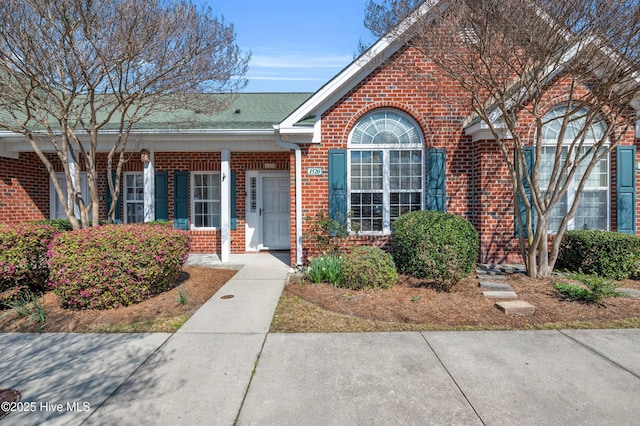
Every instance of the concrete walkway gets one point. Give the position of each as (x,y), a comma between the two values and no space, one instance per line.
(223,368)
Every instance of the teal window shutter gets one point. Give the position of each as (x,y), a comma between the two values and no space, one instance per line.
(117,218)
(234,194)
(436,191)
(338,185)
(162,196)
(529,156)
(626,189)
(181,200)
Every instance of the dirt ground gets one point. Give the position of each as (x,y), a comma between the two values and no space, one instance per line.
(414,304)
(411,304)
(163,312)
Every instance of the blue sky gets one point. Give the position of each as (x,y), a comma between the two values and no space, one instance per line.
(296,46)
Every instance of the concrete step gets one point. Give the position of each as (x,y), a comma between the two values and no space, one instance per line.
(516,307)
(509,295)
(492,285)
(630,292)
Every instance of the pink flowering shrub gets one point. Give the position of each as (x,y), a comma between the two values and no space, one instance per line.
(23,255)
(115,265)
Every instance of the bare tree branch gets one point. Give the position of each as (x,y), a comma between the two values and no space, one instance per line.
(506,55)
(71,68)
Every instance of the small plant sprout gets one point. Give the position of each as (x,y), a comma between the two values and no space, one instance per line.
(28,305)
(182,296)
(415,299)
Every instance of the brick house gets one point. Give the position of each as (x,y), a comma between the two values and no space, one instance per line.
(373,142)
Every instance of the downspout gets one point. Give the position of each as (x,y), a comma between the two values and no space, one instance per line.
(298,185)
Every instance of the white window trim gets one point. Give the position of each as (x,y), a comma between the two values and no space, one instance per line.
(386,149)
(53,196)
(124,195)
(571,191)
(193,200)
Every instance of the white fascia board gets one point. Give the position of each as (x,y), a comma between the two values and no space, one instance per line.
(348,78)
(298,135)
(480,131)
(7,144)
(174,141)
(4,151)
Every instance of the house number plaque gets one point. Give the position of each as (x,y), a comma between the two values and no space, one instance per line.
(314,171)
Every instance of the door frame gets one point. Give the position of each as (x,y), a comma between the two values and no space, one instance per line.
(253,203)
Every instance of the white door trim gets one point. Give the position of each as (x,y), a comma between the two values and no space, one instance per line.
(254,228)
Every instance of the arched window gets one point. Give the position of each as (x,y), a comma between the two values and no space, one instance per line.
(593,210)
(386,169)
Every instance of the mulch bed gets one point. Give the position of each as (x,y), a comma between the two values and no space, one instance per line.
(198,283)
(417,302)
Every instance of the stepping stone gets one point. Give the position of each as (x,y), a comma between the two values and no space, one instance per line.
(500,294)
(491,272)
(631,292)
(513,270)
(490,285)
(491,277)
(516,307)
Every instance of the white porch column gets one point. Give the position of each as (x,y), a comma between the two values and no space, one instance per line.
(149,177)
(76,186)
(225,205)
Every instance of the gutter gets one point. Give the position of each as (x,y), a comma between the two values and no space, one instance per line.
(298,186)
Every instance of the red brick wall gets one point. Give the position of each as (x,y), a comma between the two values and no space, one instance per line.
(24,189)
(478,186)
(432,101)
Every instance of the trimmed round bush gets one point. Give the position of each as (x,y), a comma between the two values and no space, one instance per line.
(434,245)
(367,267)
(115,265)
(23,255)
(603,253)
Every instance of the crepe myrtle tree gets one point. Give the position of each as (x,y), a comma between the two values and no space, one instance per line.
(70,69)
(504,55)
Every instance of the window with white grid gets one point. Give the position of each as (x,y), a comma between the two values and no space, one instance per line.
(386,169)
(594,207)
(134,197)
(206,200)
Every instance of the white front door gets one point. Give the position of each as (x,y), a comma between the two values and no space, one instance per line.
(268,211)
(275,212)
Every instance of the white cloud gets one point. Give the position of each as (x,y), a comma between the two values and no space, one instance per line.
(303,60)
(267,78)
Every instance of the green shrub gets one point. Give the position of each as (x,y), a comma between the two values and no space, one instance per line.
(23,255)
(595,288)
(434,245)
(115,265)
(326,268)
(367,267)
(607,254)
(61,225)
(158,223)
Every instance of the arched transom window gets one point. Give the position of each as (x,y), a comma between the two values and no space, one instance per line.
(594,208)
(385,127)
(386,169)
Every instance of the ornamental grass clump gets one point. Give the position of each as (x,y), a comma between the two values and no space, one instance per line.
(115,265)
(592,290)
(367,267)
(23,255)
(326,268)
